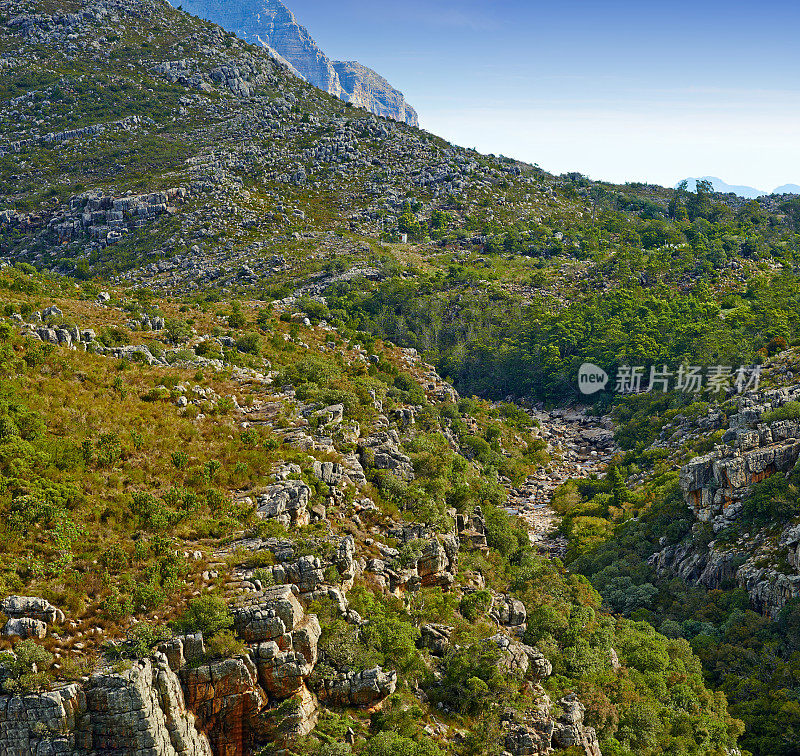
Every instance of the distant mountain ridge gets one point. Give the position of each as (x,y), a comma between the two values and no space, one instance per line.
(271,24)
(748,192)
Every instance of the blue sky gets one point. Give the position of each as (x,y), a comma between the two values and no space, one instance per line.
(617,90)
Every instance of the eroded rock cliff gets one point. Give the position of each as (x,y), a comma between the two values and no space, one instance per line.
(271,24)
(762,560)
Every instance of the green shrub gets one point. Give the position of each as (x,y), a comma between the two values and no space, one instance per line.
(789,411)
(394,744)
(30,671)
(224,645)
(180,459)
(474,605)
(209,614)
(140,641)
(250,343)
(177,331)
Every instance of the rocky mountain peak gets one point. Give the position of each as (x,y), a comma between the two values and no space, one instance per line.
(271,24)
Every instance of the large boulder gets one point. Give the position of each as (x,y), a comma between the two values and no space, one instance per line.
(509,612)
(277,612)
(436,638)
(382,451)
(286,502)
(25,627)
(365,688)
(31,606)
(228,702)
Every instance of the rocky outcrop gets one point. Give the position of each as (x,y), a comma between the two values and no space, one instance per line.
(277,612)
(28,616)
(382,451)
(715,487)
(357,688)
(139,711)
(62,715)
(569,730)
(348,471)
(31,606)
(181,703)
(472,529)
(536,732)
(310,575)
(271,24)
(286,502)
(228,702)
(716,484)
(25,627)
(431,561)
(367,89)
(520,659)
(509,612)
(434,637)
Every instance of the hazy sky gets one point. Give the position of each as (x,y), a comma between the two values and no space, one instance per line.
(644,91)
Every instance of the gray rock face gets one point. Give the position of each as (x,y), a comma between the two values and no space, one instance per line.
(277,613)
(372,92)
(31,606)
(472,529)
(336,473)
(60,713)
(382,451)
(434,563)
(513,657)
(286,502)
(271,24)
(357,688)
(569,730)
(140,712)
(177,703)
(25,627)
(715,487)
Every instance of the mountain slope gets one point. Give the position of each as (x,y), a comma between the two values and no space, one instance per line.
(273,25)
(246,399)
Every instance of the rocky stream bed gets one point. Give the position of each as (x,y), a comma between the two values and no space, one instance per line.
(580,445)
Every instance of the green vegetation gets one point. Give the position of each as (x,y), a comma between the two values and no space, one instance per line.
(113,472)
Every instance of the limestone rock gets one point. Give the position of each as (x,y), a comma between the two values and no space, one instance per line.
(272,25)
(382,451)
(286,502)
(31,606)
(25,627)
(357,688)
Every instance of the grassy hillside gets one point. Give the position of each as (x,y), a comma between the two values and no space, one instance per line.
(295,249)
